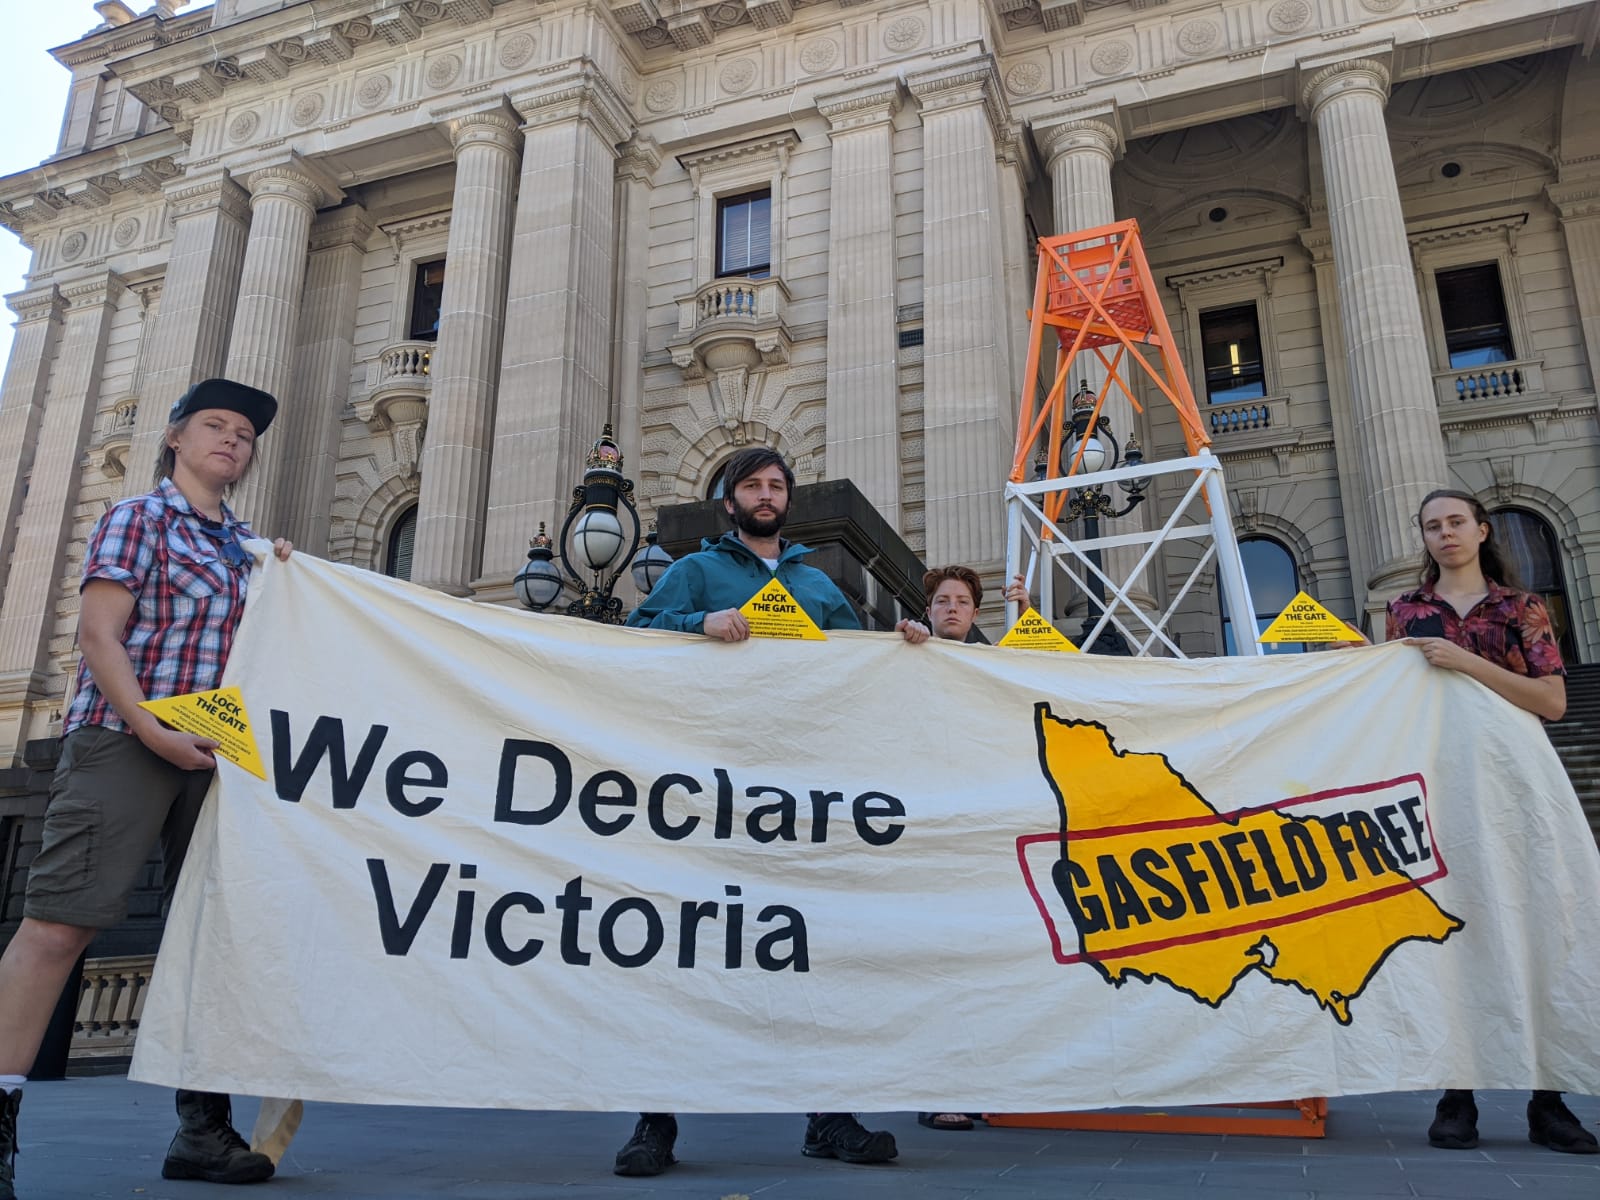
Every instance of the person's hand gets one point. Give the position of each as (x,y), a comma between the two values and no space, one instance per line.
(282,548)
(727,625)
(914,632)
(188,751)
(1442,652)
(1359,638)
(1017,592)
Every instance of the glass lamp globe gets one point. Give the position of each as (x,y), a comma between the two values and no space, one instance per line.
(598,538)
(650,565)
(1094,454)
(538,584)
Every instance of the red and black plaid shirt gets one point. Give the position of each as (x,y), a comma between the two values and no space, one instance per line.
(188,592)
(1509,628)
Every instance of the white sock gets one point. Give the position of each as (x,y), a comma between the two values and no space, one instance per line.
(12,1083)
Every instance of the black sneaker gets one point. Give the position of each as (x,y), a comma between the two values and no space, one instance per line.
(649,1150)
(841,1136)
(208,1147)
(1550,1123)
(1455,1122)
(10,1102)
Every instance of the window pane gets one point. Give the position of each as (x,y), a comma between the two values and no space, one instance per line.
(1531,548)
(1270,571)
(744,234)
(427,298)
(401,539)
(1230,344)
(1472,306)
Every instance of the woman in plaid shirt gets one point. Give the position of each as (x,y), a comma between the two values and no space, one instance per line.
(1470,616)
(164,581)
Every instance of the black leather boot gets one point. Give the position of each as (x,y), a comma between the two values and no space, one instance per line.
(208,1147)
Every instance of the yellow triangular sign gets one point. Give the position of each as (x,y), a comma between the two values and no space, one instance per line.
(1033,632)
(218,715)
(773,613)
(1307,621)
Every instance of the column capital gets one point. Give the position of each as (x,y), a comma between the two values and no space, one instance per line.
(296,179)
(1327,75)
(348,225)
(861,107)
(36,304)
(1090,131)
(497,125)
(1576,199)
(220,193)
(960,85)
(638,158)
(91,291)
(586,96)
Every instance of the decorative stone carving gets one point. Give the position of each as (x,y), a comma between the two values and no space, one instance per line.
(373,91)
(442,71)
(516,51)
(243,125)
(307,109)
(661,96)
(127,229)
(74,244)
(737,76)
(628,83)
(1381,6)
(1111,57)
(1024,79)
(1289,16)
(818,55)
(1198,37)
(903,35)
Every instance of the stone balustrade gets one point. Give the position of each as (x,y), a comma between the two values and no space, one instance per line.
(730,322)
(117,425)
(1495,381)
(110,1006)
(1233,421)
(405,364)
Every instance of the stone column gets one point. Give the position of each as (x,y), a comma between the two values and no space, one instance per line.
(1400,448)
(1578,203)
(555,368)
(1080,151)
(28,613)
(197,301)
(966,402)
(22,401)
(308,428)
(466,359)
(637,163)
(284,197)
(863,402)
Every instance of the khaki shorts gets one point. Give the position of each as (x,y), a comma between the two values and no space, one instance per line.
(111,801)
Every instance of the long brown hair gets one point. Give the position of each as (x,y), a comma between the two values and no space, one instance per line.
(1492,561)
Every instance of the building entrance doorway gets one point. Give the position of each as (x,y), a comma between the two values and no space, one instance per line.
(1530,544)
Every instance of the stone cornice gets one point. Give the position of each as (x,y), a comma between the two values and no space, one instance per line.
(1318,241)
(96,290)
(1093,131)
(1261,268)
(956,85)
(87,182)
(638,159)
(36,304)
(293,178)
(736,154)
(1503,229)
(1365,68)
(1576,199)
(412,227)
(499,126)
(219,192)
(583,95)
(861,107)
(346,226)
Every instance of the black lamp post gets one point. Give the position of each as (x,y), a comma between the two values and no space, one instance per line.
(1100,453)
(593,534)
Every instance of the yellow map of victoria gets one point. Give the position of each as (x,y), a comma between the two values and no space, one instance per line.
(1161,885)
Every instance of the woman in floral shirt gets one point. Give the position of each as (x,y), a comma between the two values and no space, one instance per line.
(1470,616)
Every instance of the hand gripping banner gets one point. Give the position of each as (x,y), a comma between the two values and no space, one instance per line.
(507,860)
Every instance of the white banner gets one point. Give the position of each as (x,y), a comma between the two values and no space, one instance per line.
(527,861)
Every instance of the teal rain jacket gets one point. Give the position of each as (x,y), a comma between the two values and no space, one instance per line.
(725,573)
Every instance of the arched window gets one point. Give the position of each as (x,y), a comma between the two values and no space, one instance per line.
(1530,545)
(1274,581)
(397,559)
(714,489)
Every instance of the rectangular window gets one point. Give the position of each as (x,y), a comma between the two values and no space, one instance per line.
(744,234)
(427,297)
(1230,344)
(1473,307)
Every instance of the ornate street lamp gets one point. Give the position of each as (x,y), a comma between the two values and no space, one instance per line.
(594,536)
(1100,453)
(650,564)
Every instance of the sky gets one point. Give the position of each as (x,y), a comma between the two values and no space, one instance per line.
(33,95)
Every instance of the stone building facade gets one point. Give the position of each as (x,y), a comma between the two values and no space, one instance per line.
(456,237)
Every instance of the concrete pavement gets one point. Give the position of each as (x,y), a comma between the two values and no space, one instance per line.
(84,1139)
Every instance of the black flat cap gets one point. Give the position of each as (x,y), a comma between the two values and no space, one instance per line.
(252,403)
